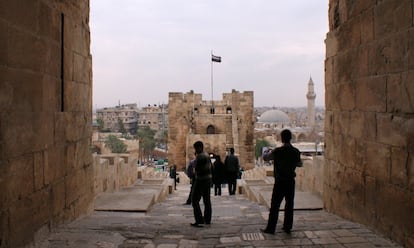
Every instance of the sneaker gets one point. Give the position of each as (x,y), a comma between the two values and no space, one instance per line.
(286,230)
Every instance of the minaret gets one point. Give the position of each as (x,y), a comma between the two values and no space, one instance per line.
(311,103)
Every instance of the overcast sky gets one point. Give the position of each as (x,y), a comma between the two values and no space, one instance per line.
(143,49)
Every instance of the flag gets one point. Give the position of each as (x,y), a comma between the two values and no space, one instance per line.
(215,58)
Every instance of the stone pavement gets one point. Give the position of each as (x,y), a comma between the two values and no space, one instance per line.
(236,222)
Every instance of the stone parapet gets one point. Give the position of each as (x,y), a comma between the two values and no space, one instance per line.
(113,172)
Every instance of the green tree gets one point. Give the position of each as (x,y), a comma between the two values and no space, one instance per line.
(100,124)
(162,137)
(259,147)
(115,145)
(146,140)
(121,127)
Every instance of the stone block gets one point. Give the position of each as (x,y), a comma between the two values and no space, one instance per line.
(20,178)
(411,171)
(329,121)
(58,197)
(377,161)
(370,94)
(331,92)
(370,201)
(24,89)
(329,72)
(6,91)
(26,51)
(363,125)
(82,68)
(367,25)
(346,96)
(399,89)
(344,69)
(77,96)
(389,55)
(392,16)
(331,42)
(25,17)
(348,155)
(390,130)
(54,164)
(49,23)
(51,92)
(410,52)
(76,36)
(397,215)
(3,43)
(38,170)
(78,128)
(68,64)
(53,60)
(399,167)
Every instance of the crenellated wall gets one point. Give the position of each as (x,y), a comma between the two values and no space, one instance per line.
(114,171)
(369,128)
(46,172)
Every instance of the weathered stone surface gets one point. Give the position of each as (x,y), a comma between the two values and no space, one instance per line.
(33,130)
(390,130)
(370,94)
(377,131)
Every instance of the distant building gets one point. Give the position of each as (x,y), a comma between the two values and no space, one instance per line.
(153,116)
(132,118)
(220,125)
(112,118)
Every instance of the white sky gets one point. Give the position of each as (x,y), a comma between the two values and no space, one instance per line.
(143,49)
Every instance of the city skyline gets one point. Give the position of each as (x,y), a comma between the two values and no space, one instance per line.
(142,50)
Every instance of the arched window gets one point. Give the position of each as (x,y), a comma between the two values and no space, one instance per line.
(211,129)
(228,110)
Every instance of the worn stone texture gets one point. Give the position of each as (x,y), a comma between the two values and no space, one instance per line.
(231,125)
(369,138)
(46,170)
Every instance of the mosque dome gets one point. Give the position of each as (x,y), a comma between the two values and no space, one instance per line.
(274,116)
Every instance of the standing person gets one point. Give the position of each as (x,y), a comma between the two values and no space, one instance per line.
(202,183)
(231,163)
(218,175)
(190,174)
(173,175)
(285,160)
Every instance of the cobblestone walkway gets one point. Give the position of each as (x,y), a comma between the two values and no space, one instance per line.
(236,222)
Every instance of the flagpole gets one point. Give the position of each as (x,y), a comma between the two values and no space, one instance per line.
(212,104)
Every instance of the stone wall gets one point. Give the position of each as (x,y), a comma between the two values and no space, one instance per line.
(46,172)
(111,172)
(369,128)
(309,177)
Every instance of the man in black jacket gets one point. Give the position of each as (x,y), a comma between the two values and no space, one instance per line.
(201,186)
(231,163)
(285,160)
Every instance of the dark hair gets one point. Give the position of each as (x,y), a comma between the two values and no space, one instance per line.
(198,145)
(286,136)
(232,150)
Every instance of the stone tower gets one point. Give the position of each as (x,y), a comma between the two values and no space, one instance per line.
(311,103)
(220,125)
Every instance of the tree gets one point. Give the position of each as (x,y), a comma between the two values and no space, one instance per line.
(146,140)
(121,127)
(115,145)
(259,147)
(100,124)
